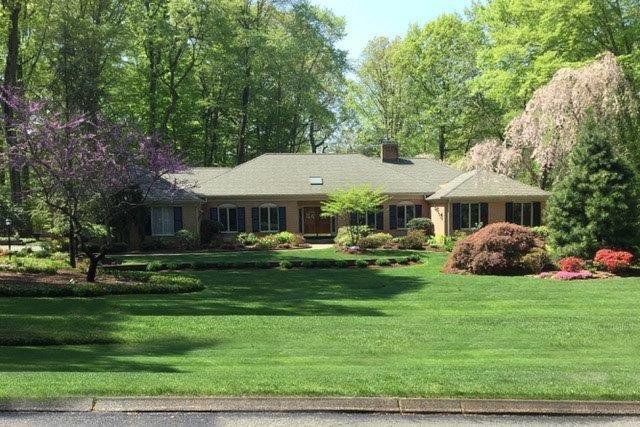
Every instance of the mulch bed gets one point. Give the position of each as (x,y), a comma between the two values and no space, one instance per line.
(62,277)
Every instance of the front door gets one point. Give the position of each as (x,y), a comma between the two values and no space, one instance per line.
(314,223)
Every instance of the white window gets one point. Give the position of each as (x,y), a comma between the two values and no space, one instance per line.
(470,215)
(406,212)
(162,221)
(523,214)
(228,217)
(269,218)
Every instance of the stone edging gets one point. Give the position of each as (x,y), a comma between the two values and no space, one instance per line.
(322,404)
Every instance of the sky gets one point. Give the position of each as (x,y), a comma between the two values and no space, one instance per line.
(367,19)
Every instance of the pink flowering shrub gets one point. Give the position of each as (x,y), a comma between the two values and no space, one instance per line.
(573,275)
(613,261)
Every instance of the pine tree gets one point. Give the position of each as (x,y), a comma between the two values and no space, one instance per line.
(596,204)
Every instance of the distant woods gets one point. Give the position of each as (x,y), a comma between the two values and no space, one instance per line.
(227,80)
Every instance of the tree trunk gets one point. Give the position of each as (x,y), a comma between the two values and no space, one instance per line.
(241,149)
(11,80)
(442,144)
(72,244)
(312,138)
(93,268)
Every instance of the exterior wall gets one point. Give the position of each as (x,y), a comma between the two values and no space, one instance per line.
(293,205)
(441,212)
(191,218)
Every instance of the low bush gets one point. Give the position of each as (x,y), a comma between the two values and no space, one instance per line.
(415,239)
(307,264)
(535,261)
(346,238)
(156,266)
(361,263)
(267,243)
(415,258)
(613,261)
(441,242)
(404,261)
(573,275)
(209,231)
(286,265)
(541,231)
(152,284)
(341,263)
(382,262)
(185,240)
(424,224)
(375,240)
(495,249)
(285,238)
(571,264)
(247,239)
(263,265)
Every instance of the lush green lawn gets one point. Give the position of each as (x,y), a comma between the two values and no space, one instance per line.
(403,332)
(293,254)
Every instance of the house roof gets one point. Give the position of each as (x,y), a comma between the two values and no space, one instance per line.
(183,187)
(291,174)
(482,183)
(431,173)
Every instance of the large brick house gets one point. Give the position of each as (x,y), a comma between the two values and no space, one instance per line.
(276,192)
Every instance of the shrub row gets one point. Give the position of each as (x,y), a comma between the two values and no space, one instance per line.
(286,264)
(143,283)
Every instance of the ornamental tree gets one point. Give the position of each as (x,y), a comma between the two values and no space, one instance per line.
(596,204)
(361,201)
(538,141)
(92,172)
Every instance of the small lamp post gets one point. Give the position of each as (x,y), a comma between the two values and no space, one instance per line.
(8,223)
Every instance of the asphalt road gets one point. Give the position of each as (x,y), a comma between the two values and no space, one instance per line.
(294,419)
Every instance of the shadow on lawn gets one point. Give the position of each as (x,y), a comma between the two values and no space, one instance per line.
(282,293)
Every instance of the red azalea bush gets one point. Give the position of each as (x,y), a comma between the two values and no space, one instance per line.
(495,249)
(571,264)
(613,261)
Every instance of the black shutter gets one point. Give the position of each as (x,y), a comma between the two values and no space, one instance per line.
(484,214)
(418,211)
(177,219)
(213,214)
(282,218)
(537,214)
(380,219)
(508,216)
(456,216)
(147,222)
(242,222)
(393,217)
(255,220)
(300,221)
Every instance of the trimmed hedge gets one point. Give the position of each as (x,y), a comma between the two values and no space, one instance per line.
(145,284)
(156,266)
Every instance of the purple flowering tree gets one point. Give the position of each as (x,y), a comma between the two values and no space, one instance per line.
(92,172)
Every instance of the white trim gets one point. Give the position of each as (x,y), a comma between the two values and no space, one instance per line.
(268,207)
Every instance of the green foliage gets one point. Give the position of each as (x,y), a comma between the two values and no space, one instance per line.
(535,261)
(286,237)
(286,265)
(361,263)
(267,243)
(247,239)
(185,240)
(424,224)
(382,262)
(356,200)
(345,235)
(156,266)
(596,204)
(209,231)
(442,241)
(415,239)
(375,240)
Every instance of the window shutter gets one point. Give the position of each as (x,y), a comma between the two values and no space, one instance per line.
(537,214)
(282,218)
(353,218)
(147,222)
(393,217)
(213,214)
(484,214)
(255,220)
(380,220)
(300,221)
(508,216)
(242,222)
(418,211)
(177,219)
(456,216)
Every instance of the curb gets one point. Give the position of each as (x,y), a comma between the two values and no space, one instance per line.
(324,404)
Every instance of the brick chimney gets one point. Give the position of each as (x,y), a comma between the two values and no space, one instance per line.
(389,152)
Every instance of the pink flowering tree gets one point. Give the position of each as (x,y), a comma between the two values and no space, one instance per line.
(538,141)
(92,172)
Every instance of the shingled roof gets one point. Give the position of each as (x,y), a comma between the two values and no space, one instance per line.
(484,184)
(313,174)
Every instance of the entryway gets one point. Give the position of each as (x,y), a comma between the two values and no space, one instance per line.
(314,224)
